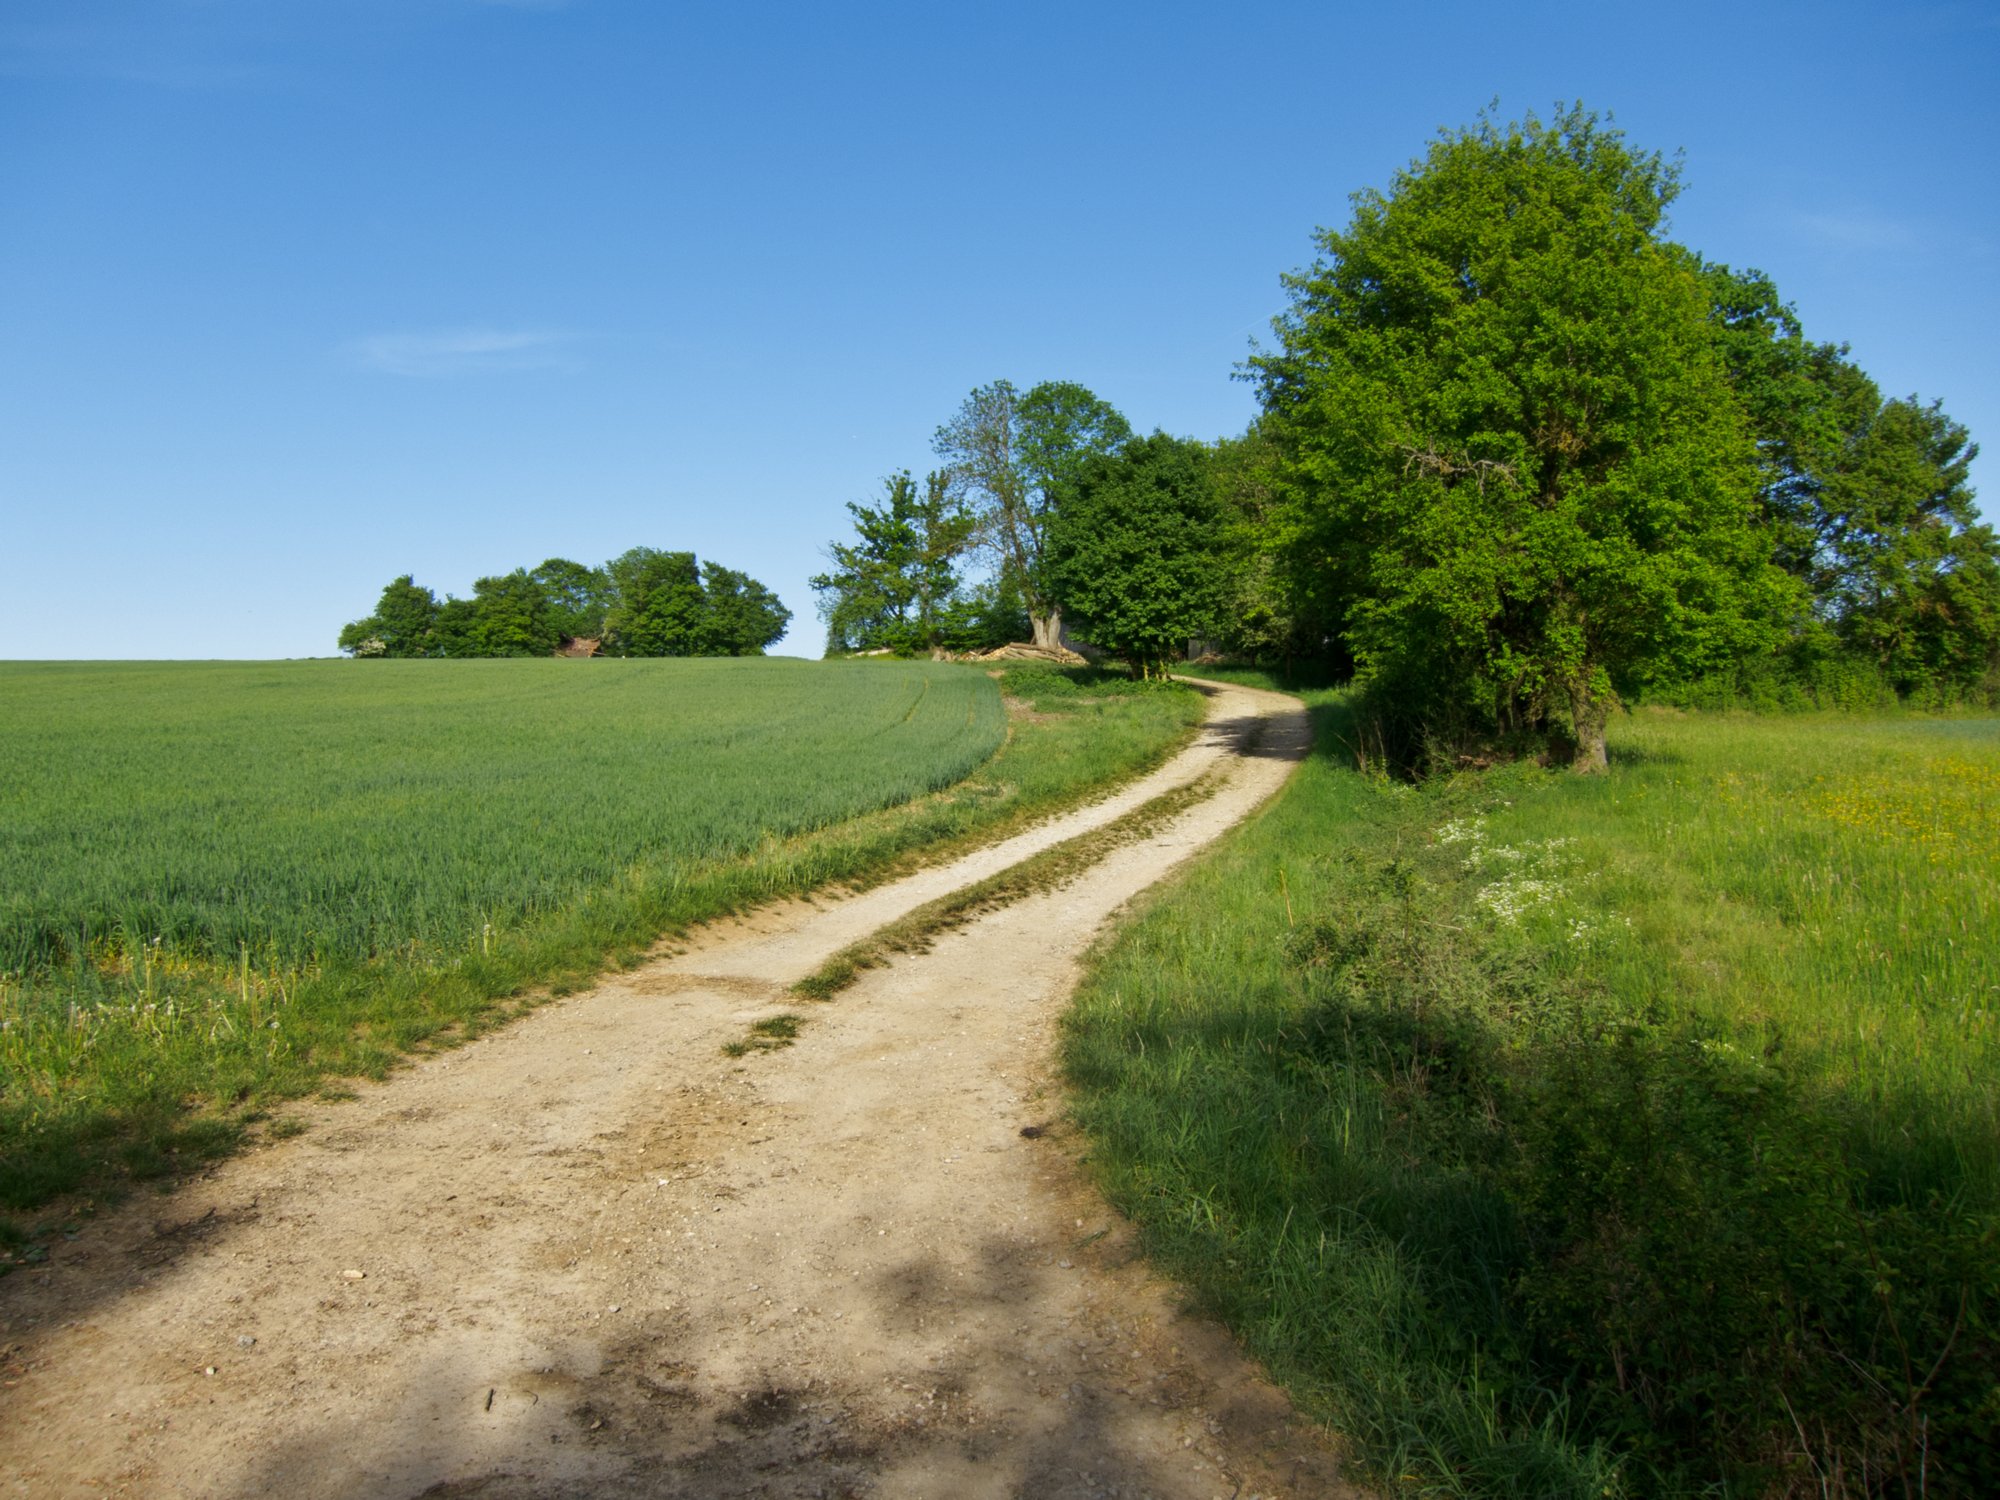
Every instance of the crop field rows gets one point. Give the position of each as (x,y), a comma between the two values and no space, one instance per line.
(311,811)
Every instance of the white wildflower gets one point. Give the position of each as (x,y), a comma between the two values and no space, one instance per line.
(1504,853)
(1514,897)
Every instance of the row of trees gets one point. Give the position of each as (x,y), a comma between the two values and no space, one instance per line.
(1520,458)
(643,603)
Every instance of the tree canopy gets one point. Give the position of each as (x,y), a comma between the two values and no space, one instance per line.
(1136,550)
(1509,444)
(896,587)
(578,597)
(402,624)
(1013,459)
(1868,501)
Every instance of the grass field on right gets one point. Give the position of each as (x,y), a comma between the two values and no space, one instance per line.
(1622,1135)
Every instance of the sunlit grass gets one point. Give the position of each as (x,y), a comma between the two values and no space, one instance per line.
(310,809)
(1566,1136)
(1829,885)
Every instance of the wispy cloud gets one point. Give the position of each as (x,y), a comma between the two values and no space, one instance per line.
(465,351)
(1862,232)
(1859,231)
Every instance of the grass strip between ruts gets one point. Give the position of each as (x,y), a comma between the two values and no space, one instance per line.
(1049,870)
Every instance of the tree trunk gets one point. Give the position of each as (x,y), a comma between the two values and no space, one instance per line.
(1048,628)
(1590,713)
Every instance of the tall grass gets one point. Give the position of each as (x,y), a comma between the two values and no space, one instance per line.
(225,884)
(1828,886)
(1557,1136)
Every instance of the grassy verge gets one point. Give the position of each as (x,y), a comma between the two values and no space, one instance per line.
(175,1060)
(1628,1136)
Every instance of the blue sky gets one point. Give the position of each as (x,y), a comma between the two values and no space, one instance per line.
(297,295)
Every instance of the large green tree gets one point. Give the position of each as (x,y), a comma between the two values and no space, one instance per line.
(403,625)
(894,587)
(510,616)
(579,597)
(455,633)
(1916,574)
(743,617)
(1137,549)
(1268,613)
(1507,433)
(1013,458)
(660,608)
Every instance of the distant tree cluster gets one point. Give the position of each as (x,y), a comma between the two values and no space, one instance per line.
(643,603)
(1077,523)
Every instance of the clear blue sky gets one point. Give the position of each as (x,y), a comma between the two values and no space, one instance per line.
(297,295)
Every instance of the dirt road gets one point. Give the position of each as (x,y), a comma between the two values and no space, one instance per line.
(592,1255)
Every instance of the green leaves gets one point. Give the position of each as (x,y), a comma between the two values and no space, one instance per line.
(661,610)
(896,586)
(402,624)
(1867,502)
(1016,460)
(1508,432)
(578,597)
(1133,552)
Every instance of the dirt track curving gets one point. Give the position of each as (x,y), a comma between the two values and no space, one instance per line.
(591,1255)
